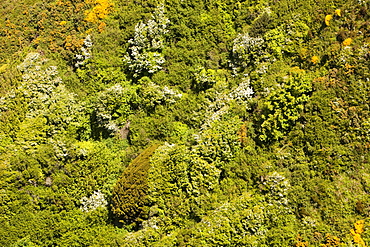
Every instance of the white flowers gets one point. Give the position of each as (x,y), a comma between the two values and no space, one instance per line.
(93,202)
(243,92)
(145,47)
(86,52)
(48,100)
(112,107)
(247,50)
(169,94)
(242,95)
(39,82)
(152,95)
(29,61)
(277,186)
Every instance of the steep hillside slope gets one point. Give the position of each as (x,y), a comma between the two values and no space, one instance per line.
(184,123)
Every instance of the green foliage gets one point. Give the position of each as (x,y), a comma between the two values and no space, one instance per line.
(113,107)
(129,199)
(219,143)
(286,39)
(248,51)
(179,183)
(262,106)
(151,95)
(206,78)
(284,105)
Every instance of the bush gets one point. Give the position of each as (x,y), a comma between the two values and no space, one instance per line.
(130,198)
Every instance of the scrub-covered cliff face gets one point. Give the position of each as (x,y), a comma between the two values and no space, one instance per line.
(184,123)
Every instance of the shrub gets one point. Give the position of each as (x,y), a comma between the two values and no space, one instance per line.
(284,105)
(129,198)
(145,47)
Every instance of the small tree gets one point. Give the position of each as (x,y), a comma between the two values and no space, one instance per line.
(145,51)
(284,105)
(129,199)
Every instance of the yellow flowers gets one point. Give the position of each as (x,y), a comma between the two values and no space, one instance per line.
(328,18)
(300,242)
(315,59)
(101,27)
(3,68)
(357,231)
(331,241)
(100,11)
(338,12)
(347,42)
(359,226)
(68,42)
(62,23)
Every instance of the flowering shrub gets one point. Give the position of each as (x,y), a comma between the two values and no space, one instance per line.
(357,231)
(81,59)
(113,107)
(328,18)
(39,83)
(338,12)
(100,11)
(243,92)
(144,54)
(240,95)
(276,186)
(331,241)
(93,202)
(347,42)
(152,94)
(247,51)
(49,103)
(315,59)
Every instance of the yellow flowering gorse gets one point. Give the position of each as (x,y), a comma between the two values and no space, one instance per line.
(100,11)
(347,42)
(328,18)
(338,12)
(357,231)
(315,59)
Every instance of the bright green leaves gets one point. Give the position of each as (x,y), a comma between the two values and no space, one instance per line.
(183,181)
(206,78)
(249,137)
(180,182)
(219,142)
(284,105)
(286,39)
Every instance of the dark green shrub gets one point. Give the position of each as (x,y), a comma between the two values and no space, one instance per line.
(129,199)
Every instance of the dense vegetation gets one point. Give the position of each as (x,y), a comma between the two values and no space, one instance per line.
(184,123)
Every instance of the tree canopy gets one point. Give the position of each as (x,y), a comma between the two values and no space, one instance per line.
(184,123)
